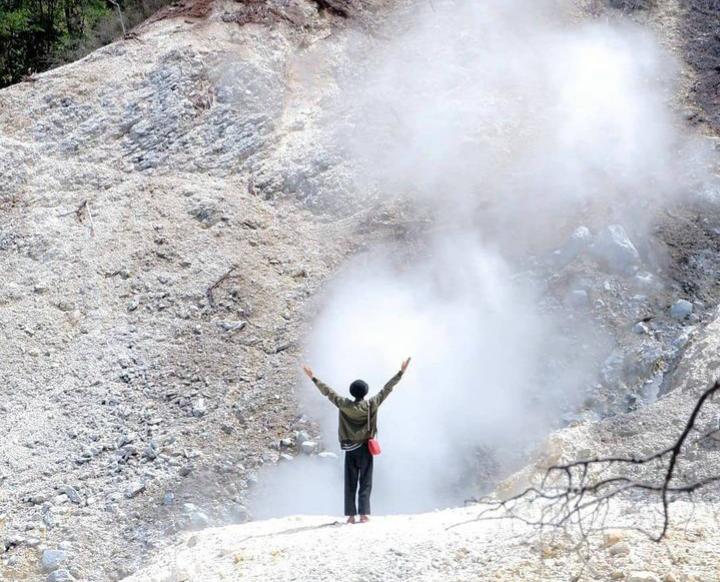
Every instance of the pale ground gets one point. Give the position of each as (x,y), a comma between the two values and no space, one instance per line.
(421,548)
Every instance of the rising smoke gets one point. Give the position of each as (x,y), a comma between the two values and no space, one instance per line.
(510,122)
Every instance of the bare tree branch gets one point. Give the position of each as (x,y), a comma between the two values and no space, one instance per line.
(577,492)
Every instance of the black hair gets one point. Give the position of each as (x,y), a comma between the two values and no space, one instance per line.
(359,389)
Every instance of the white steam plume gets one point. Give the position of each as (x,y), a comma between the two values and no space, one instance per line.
(510,122)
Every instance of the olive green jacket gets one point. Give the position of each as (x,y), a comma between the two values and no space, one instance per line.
(353,422)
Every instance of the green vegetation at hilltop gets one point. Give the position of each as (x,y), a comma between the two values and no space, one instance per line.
(36,35)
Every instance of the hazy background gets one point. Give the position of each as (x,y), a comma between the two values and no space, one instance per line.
(510,123)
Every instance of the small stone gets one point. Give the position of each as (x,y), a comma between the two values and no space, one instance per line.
(617,575)
(199,408)
(584,454)
(185,470)
(578,298)
(645,278)
(168,498)
(125,439)
(233,325)
(134,489)
(60,576)
(578,242)
(72,494)
(11,542)
(52,559)
(614,247)
(124,453)
(681,309)
(308,447)
(198,519)
(643,577)
(641,328)
(611,538)
(49,519)
(285,457)
(151,451)
(327,455)
(240,513)
(620,549)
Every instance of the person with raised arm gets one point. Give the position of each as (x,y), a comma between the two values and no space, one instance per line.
(357,427)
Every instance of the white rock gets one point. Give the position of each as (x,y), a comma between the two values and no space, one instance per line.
(199,408)
(614,247)
(578,298)
(327,455)
(620,549)
(681,309)
(579,240)
(198,519)
(232,325)
(643,577)
(60,576)
(72,494)
(641,328)
(134,489)
(52,559)
(309,447)
(645,278)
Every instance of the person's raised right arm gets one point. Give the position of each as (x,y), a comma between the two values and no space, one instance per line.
(378,399)
(325,390)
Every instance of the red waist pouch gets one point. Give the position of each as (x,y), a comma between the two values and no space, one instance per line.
(373,447)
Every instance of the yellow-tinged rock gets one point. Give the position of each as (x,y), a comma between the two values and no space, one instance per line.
(611,538)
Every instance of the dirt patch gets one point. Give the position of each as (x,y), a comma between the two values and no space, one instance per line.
(631,5)
(255,12)
(183,9)
(691,237)
(702,51)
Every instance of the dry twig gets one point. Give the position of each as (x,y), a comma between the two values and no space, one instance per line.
(216,284)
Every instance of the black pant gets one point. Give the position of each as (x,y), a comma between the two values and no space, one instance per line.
(358,467)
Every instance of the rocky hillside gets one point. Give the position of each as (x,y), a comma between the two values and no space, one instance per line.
(168,217)
(155,284)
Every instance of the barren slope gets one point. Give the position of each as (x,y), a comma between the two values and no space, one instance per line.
(154,286)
